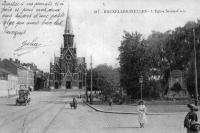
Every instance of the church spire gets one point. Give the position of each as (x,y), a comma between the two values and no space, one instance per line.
(68,33)
(68,25)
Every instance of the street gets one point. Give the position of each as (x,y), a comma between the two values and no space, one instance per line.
(49,112)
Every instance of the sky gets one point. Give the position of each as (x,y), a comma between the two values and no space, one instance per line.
(99,34)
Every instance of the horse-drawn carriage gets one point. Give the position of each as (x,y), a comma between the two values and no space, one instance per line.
(74,103)
(23,98)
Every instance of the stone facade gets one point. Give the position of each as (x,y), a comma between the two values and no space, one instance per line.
(9,83)
(24,74)
(177,77)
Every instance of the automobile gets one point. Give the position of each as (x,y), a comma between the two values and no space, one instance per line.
(23,98)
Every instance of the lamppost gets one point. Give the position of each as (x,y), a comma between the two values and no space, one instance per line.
(141,82)
(195,71)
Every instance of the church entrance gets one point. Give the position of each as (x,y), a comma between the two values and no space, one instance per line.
(56,85)
(68,85)
(80,85)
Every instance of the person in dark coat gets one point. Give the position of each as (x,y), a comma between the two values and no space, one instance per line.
(75,102)
(191,118)
(110,103)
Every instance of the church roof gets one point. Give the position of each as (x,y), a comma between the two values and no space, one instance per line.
(68,25)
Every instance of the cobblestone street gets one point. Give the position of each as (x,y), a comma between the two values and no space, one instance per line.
(49,112)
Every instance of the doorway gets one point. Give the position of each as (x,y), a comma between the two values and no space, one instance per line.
(80,85)
(68,85)
(56,85)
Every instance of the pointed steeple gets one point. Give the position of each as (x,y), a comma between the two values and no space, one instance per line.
(68,25)
(68,33)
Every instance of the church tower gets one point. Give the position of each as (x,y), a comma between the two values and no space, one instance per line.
(68,71)
(68,33)
(68,55)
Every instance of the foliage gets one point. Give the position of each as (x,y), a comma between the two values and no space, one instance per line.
(105,79)
(156,56)
(134,61)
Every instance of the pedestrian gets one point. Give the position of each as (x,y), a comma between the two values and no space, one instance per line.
(190,121)
(75,103)
(141,113)
(110,103)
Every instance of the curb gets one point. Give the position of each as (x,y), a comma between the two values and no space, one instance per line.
(119,112)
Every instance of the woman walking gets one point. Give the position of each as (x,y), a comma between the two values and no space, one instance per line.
(141,114)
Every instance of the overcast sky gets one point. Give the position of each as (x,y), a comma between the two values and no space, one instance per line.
(100,34)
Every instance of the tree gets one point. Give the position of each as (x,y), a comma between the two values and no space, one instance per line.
(134,61)
(180,53)
(108,78)
(105,79)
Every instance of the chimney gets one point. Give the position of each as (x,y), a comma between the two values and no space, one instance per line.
(10,59)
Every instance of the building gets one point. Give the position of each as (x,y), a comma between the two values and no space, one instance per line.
(68,70)
(24,74)
(8,83)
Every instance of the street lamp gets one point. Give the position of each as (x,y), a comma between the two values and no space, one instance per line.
(195,71)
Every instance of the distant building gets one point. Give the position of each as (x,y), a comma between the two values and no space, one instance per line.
(68,70)
(8,83)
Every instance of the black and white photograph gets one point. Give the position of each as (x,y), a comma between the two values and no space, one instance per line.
(99,66)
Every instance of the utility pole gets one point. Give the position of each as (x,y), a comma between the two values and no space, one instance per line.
(27,78)
(91,82)
(86,91)
(195,71)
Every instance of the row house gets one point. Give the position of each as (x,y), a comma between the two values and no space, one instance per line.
(24,74)
(8,83)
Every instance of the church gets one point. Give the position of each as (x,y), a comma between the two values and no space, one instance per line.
(68,71)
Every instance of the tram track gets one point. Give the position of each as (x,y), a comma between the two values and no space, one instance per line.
(52,120)
(10,120)
(23,118)
(13,117)
(39,115)
(31,120)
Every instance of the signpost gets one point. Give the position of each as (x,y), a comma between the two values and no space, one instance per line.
(141,83)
